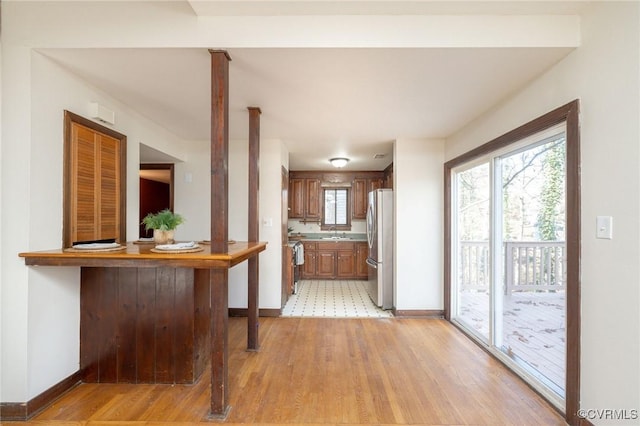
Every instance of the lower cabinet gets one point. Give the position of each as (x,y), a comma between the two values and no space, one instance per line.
(309,266)
(346,264)
(326,264)
(362,252)
(334,260)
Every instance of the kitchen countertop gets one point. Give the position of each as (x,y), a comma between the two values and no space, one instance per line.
(346,237)
(136,255)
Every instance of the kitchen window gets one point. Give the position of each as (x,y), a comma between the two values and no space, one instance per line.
(336,213)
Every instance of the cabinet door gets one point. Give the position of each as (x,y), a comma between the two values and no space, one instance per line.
(362,251)
(296,198)
(95,182)
(309,266)
(359,198)
(375,183)
(326,264)
(287,273)
(313,200)
(346,265)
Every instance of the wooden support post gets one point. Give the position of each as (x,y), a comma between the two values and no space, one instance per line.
(219,279)
(253,343)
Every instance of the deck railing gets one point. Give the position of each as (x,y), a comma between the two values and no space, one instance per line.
(474,265)
(528,265)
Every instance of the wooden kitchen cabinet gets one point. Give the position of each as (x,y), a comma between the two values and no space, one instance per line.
(362,252)
(296,198)
(346,265)
(330,260)
(359,198)
(313,194)
(288,273)
(375,183)
(361,188)
(326,264)
(305,200)
(306,192)
(308,270)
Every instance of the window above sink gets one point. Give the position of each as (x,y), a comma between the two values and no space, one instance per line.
(336,213)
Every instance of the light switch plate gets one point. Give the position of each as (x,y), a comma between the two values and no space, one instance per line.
(604,227)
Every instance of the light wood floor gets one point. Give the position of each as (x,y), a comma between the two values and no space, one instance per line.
(329,371)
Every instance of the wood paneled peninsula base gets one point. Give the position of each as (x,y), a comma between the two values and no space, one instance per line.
(145,317)
(143,325)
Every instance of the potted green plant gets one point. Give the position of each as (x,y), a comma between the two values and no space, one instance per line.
(163,224)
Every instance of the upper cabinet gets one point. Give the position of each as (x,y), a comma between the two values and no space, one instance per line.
(313,206)
(296,198)
(305,199)
(361,188)
(305,192)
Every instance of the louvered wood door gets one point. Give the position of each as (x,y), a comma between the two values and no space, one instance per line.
(95,183)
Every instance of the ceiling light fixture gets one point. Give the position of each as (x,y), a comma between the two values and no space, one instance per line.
(339,162)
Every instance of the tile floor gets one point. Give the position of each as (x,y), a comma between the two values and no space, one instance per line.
(335,299)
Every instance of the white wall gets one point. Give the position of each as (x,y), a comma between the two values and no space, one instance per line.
(193,199)
(604,74)
(15,222)
(273,156)
(40,306)
(418,186)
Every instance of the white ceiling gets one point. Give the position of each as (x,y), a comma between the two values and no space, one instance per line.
(321,102)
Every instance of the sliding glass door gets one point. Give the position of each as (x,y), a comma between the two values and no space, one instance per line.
(508,279)
(531,306)
(472,263)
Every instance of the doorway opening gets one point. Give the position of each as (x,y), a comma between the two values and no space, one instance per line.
(156,192)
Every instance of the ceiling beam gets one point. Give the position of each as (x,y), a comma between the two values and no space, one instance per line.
(175,24)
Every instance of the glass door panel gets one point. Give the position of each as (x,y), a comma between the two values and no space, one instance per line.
(472,261)
(531,304)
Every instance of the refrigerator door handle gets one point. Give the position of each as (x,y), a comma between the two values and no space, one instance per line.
(371,226)
(372,263)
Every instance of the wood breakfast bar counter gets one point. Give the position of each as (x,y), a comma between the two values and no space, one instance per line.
(141,256)
(148,317)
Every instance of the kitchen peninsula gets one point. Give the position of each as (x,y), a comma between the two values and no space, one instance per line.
(145,316)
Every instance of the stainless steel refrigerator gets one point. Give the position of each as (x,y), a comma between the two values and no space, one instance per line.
(380,240)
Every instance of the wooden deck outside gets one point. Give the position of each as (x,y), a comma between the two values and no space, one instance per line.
(534,327)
